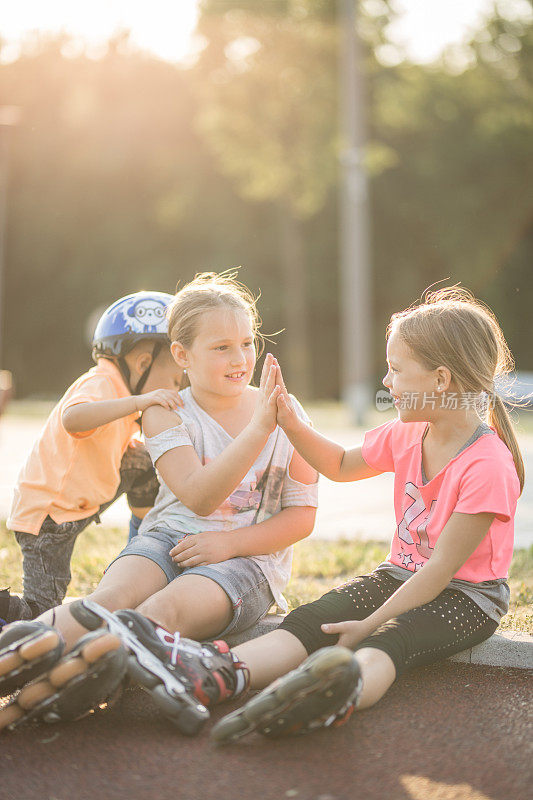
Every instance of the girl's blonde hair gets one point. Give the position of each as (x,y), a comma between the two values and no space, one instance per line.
(451,328)
(207,292)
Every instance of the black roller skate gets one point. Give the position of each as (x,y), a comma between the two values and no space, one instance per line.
(27,650)
(14,608)
(208,668)
(321,692)
(89,676)
(149,663)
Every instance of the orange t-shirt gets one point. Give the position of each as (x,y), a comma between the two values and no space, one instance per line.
(69,476)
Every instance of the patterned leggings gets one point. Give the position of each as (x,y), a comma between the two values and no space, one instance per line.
(448,624)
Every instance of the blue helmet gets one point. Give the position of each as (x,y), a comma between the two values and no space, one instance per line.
(137,316)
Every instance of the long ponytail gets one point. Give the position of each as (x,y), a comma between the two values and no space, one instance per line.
(499,419)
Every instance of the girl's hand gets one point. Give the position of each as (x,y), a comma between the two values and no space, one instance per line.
(200,549)
(350,633)
(286,415)
(265,413)
(168,398)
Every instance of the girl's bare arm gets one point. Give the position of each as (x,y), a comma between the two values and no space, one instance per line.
(204,487)
(83,417)
(288,526)
(329,458)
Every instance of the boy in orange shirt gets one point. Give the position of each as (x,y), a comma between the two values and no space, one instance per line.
(89,452)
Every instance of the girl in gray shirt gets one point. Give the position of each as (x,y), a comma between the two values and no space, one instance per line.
(216,547)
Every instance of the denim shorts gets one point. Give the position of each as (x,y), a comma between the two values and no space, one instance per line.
(241,578)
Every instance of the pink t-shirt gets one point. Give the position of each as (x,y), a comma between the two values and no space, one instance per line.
(481,478)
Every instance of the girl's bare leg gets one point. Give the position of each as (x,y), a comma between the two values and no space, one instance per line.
(194,605)
(378,672)
(127,582)
(270,656)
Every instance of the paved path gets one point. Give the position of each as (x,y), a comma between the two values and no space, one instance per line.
(445,732)
(362,510)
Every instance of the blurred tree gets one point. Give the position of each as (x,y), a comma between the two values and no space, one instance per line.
(456,200)
(128,172)
(269,112)
(111,191)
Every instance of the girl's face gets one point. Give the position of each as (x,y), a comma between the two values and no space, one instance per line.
(221,359)
(416,391)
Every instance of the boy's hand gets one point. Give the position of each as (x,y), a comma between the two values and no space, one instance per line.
(168,398)
(286,415)
(200,549)
(265,411)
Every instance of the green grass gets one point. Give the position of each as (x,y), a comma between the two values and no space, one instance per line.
(318,566)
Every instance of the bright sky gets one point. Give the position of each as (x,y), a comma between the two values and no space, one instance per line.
(425,27)
(165,27)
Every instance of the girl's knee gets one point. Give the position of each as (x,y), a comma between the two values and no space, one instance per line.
(111,597)
(178,609)
(160,608)
(151,605)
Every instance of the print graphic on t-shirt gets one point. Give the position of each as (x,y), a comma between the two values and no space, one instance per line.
(247,496)
(272,489)
(423,546)
(415,511)
(259,490)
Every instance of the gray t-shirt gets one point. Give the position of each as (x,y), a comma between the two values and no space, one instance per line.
(263,492)
(492,597)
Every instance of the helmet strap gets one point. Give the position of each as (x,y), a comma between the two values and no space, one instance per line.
(144,377)
(124,370)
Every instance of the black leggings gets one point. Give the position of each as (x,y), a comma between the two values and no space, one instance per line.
(448,624)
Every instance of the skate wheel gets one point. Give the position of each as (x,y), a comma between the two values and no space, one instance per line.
(10,714)
(139,675)
(189,722)
(97,648)
(258,706)
(66,670)
(330,658)
(9,662)
(188,716)
(34,693)
(294,684)
(229,729)
(40,646)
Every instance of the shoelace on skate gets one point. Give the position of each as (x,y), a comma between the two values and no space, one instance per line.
(175,647)
(195,650)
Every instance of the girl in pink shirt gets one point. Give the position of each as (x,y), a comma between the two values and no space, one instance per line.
(458,475)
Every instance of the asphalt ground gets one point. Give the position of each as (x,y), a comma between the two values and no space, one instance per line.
(444,732)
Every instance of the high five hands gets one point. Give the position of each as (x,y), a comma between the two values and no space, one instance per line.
(265,410)
(353,631)
(274,406)
(286,415)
